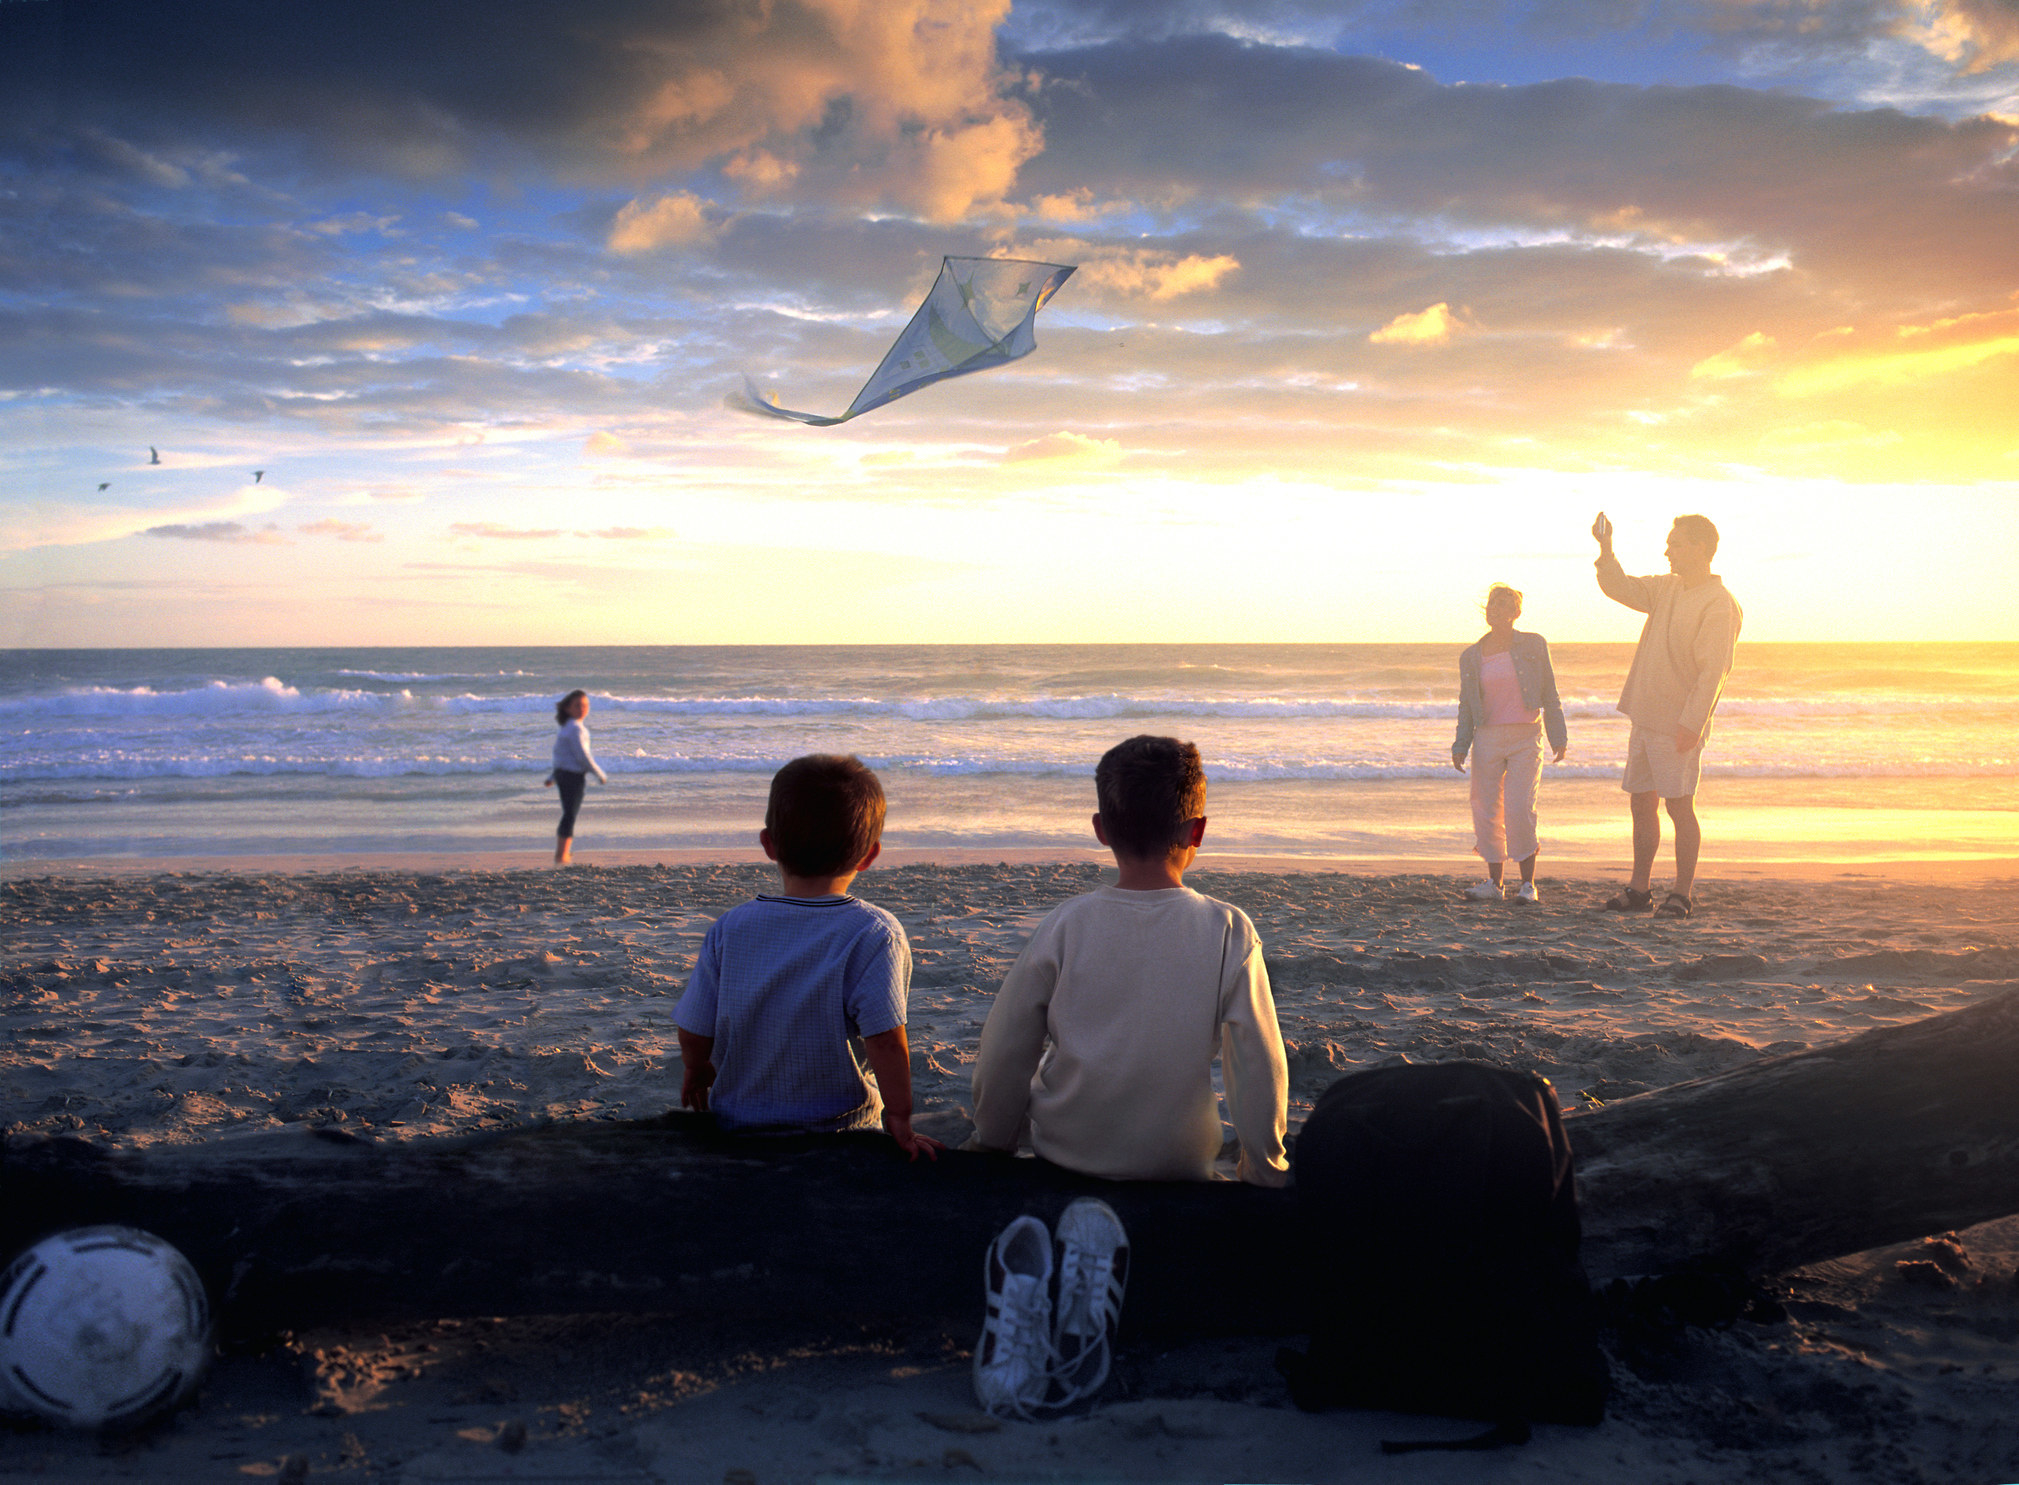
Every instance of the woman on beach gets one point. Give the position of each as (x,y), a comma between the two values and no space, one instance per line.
(573,763)
(1506,698)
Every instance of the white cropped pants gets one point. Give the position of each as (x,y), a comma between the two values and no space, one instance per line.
(1506,771)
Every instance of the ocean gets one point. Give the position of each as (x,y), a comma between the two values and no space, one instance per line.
(1857,752)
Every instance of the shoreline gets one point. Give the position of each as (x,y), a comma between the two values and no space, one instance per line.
(1464,868)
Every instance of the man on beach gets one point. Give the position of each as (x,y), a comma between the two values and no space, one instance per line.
(1672,688)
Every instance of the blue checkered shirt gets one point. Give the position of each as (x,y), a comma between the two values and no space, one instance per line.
(781,984)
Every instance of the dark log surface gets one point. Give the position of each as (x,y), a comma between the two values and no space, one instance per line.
(1884,1137)
(1881,1138)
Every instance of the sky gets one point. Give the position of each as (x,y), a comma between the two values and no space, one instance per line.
(435,314)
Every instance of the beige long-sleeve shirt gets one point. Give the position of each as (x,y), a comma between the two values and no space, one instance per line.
(1685,650)
(1104,1032)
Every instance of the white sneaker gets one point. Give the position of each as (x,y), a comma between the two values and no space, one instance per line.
(1528,894)
(1093,1272)
(1486,891)
(1013,1359)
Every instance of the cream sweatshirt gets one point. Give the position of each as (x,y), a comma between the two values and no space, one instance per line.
(1104,1032)
(1685,650)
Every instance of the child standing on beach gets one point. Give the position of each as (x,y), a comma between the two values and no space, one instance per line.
(1136,987)
(784,982)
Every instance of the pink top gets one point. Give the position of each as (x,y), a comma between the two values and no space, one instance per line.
(1503,692)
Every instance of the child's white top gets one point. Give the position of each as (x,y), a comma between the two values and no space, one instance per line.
(781,984)
(1135,992)
(571,750)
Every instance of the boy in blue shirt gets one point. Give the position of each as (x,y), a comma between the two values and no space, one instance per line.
(784,982)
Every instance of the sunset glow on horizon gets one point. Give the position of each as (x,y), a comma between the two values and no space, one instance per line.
(1369,314)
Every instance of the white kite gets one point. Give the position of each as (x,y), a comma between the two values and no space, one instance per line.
(981,313)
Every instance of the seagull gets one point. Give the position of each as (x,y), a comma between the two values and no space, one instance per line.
(256,474)
(106,486)
(153,454)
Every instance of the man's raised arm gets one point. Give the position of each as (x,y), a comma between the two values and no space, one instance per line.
(1613,580)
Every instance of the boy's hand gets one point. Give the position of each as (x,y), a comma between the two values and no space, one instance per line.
(698,1070)
(898,1127)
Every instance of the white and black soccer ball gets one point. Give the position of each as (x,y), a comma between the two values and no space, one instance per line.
(101,1327)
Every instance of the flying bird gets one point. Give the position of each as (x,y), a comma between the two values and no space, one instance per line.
(153,454)
(106,486)
(980,312)
(256,474)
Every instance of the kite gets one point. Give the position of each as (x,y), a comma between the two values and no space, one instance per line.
(980,313)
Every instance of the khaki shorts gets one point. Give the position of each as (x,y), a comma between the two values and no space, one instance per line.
(1654,765)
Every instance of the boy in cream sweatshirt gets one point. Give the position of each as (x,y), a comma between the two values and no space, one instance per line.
(1101,1041)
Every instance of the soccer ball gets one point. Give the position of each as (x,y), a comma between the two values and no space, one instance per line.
(101,1327)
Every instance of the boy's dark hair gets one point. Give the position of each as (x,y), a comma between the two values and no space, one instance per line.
(825,812)
(1149,789)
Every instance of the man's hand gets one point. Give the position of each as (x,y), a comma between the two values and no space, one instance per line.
(1601,531)
(1687,741)
(1458,760)
(898,1127)
(1560,752)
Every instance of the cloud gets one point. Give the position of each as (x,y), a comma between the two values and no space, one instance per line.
(493,530)
(899,103)
(1744,359)
(669,221)
(630,533)
(341,530)
(1888,368)
(1067,447)
(1833,436)
(1975,35)
(1157,276)
(1433,326)
(602,445)
(218,531)
(1362,143)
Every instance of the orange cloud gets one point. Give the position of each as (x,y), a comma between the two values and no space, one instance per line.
(929,124)
(1432,326)
(1159,276)
(670,221)
(1916,353)
(1076,448)
(1743,359)
(498,532)
(1975,35)
(341,530)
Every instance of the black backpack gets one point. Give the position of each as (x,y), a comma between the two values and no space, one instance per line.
(1439,1213)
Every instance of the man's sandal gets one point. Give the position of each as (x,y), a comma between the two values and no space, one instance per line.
(1675,905)
(1630,901)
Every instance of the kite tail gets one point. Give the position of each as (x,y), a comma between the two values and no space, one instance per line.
(751,400)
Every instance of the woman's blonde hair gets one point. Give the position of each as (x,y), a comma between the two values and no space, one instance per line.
(1514,593)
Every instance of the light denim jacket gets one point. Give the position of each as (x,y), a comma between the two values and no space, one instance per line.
(1538,689)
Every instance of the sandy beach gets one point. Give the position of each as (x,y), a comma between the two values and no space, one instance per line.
(393,1000)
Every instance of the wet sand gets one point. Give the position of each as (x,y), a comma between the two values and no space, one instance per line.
(148,1007)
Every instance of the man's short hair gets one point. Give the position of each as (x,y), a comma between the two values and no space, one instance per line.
(1699,530)
(1149,789)
(825,812)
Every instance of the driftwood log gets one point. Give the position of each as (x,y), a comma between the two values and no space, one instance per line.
(1885,1137)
